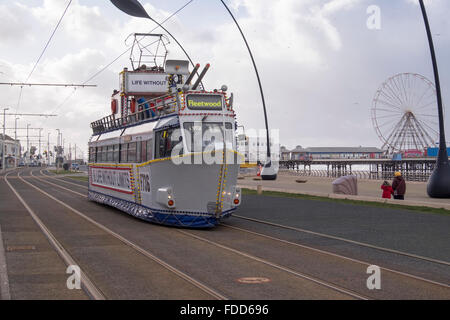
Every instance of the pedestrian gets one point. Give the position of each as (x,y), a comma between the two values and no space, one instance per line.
(399,186)
(387,190)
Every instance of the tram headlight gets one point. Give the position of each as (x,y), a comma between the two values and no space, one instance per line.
(165,197)
(237,196)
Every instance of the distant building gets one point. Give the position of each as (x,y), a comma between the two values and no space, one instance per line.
(300,153)
(254,148)
(12,150)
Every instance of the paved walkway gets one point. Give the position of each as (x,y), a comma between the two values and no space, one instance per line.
(368,190)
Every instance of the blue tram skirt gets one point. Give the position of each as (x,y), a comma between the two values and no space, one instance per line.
(165,217)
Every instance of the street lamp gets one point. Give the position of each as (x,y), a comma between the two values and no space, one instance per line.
(134,8)
(4,139)
(48,149)
(15,138)
(28,150)
(439,181)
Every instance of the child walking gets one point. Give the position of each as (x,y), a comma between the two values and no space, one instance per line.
(387,190)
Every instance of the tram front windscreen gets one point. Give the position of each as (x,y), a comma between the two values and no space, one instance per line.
(201,136)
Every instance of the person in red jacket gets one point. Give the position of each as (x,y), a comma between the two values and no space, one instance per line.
(387,190)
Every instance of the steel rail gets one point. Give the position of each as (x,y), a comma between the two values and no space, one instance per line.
(335,255)
(363,244)
(88,286)
(144,252)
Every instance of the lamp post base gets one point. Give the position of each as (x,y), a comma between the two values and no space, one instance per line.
(439,182)
(269,172)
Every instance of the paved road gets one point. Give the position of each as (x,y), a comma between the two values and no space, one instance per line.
(289,261)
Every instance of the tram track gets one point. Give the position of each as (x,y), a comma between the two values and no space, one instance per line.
(275,265)
(319,282)
(93,291)
(328,236)
(361,244)
(88,286)
(248,256)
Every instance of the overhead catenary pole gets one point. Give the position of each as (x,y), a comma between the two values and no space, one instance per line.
(15,138)
(4,140)
(39,152)
(439,181)
(28,140)
(48,148)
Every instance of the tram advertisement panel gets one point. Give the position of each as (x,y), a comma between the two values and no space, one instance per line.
(117,179)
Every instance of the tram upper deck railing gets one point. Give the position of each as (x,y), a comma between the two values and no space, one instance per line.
(152,110)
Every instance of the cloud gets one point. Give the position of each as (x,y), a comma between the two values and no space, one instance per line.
(319,65)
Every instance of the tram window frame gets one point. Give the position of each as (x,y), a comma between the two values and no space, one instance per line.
(92,154)
(109,153)
(188,129)
(123,152)
(99,154)
(164,150)
(149,149)
(116,153)
(143,151)
(138,151)
(131,152)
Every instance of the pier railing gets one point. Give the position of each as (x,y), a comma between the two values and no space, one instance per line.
(367,175)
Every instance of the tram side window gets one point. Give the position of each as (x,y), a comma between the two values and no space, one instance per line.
(131,152)
(115,153)
(92,154)
(138,151)
(143,151)
(164,143)
(149,150)
(109,156)
(99,154)
(123,152)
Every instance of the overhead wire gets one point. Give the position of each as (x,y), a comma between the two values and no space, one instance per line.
(42,53)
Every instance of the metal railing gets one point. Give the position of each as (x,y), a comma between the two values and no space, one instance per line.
(157,106)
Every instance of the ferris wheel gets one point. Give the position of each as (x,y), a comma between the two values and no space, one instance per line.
(404,113)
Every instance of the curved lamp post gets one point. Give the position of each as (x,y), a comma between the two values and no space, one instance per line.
(134,8)
(268,172)
(439,182)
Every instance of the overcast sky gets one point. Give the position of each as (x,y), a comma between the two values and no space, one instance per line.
(320,65)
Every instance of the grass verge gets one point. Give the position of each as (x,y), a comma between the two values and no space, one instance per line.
(80,178)
(348,201)
(64,172)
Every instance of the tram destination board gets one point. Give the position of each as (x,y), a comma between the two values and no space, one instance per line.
(204,101)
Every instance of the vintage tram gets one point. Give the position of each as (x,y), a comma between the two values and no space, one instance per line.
(167,152)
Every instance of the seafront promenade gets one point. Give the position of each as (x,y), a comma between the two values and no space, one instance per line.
(368,190)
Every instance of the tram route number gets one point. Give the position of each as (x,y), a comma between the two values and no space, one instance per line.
(144,181)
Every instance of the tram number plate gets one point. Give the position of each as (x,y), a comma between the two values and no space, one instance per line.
(144,181)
